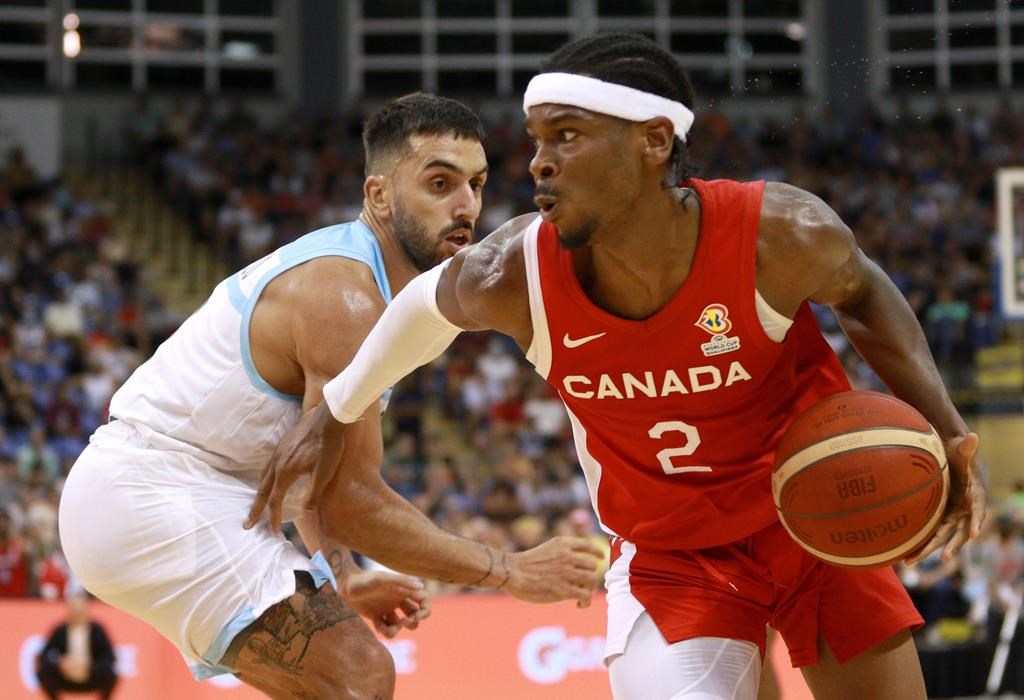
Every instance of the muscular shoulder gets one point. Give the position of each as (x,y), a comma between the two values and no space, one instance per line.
(796,222)
(491,286)
(329,304)
(802,244)
(332,287)
(309,322)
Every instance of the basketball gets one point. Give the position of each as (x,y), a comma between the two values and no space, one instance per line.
(860,479)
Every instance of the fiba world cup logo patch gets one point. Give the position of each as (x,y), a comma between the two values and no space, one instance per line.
(715,320)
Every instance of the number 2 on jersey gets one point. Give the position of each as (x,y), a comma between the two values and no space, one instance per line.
(665,456)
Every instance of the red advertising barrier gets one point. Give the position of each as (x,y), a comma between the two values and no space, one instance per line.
(486,646)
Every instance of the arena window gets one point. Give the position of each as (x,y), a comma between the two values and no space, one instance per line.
(753,46)
(949,44)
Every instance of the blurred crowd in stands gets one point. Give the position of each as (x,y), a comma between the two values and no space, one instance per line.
(75,320)
(476,439)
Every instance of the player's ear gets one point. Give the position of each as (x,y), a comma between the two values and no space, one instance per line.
(658,139)
(377,196)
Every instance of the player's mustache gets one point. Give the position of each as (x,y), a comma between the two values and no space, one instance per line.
(457,226)
(545,190)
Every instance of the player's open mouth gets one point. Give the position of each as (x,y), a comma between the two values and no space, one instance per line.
(546,203)
(460,239)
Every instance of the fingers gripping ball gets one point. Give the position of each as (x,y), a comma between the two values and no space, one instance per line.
(860,479)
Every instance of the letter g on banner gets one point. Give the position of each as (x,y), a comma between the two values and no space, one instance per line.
(542,655)
(547,654)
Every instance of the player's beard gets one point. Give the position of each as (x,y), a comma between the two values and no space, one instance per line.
(419,246)
(579,236)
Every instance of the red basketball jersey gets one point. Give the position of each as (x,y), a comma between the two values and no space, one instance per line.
(676,417)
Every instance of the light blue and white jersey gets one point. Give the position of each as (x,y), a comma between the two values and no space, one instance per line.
(200,392)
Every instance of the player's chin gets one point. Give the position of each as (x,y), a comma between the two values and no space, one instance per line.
(573,236)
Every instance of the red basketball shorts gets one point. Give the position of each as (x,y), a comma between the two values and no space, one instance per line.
(733,591)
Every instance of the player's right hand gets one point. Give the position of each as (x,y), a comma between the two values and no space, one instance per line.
(313,446)
(965,508)
(390,601)
(560,569)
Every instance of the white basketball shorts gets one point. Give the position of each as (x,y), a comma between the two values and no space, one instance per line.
(158,534)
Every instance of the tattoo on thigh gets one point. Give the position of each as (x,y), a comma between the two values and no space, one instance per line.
(281,637)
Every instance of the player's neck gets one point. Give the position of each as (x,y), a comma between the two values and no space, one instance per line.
(397,265)
(634,267)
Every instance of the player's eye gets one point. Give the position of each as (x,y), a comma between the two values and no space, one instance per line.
(568,135)
(439,183)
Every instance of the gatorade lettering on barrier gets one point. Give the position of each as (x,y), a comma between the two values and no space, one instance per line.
(547,655)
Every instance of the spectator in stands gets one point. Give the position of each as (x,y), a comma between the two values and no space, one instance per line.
(945,326)
(935,586)
(21,178)
(143,130)
(10,488)
(1002,557)
(37,461)
(1015,503)
(53,575)
(78,656)
(14,564)
(545,413)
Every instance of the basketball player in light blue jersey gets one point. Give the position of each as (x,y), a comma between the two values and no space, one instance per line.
(151,517)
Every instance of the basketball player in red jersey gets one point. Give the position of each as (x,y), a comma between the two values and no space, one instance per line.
(673,321)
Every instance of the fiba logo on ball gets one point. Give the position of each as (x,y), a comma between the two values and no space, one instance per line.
(548,654)
(832,493)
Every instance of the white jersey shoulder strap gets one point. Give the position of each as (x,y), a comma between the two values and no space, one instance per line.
(539,353)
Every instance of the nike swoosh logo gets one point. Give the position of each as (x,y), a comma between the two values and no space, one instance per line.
(575,343)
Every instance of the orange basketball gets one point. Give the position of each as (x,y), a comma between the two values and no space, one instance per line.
(860,479)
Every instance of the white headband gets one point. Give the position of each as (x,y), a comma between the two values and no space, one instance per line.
(606,98)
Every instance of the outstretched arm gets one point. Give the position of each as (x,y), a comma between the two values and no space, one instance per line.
(359,510)
(482,287)
(799,231)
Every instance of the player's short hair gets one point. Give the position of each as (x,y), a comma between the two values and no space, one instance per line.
(386,133)
(635,61)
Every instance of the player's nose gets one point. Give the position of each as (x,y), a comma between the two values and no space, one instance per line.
(467,204)
(543,164)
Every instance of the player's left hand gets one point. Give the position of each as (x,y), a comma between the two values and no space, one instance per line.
(965,509)
(312,446)
(390,601)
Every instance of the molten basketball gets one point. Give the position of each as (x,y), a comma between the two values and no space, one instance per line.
(860,479)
